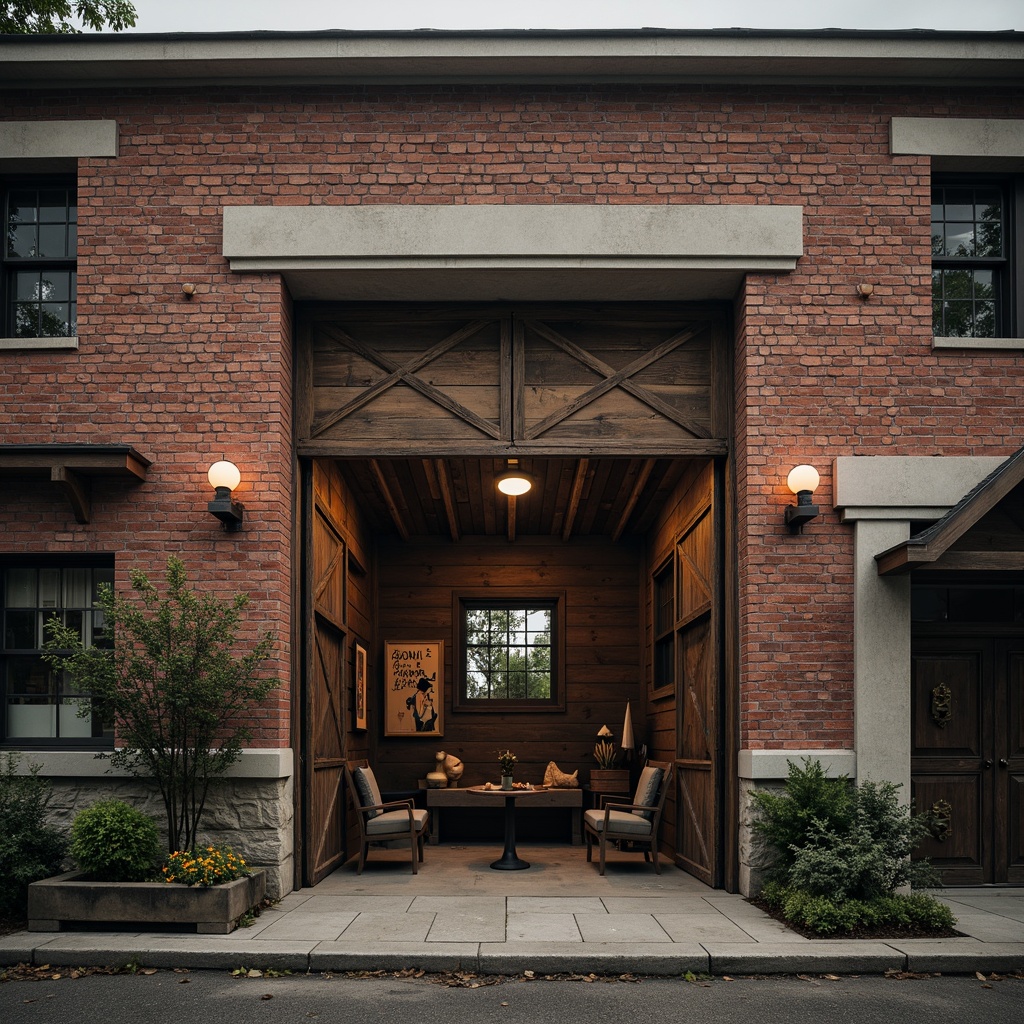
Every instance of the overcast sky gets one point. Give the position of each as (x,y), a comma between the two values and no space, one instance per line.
(305,15)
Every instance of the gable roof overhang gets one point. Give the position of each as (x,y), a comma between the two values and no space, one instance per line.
(947,544)
(704,57)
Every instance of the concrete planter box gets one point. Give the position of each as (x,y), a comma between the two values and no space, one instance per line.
(56,903)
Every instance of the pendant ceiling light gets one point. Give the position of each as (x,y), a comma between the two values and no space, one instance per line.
(514,482)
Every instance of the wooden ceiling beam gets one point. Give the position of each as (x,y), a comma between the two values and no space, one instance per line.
(634,496)
(444,484)
(389,501)
(574,497)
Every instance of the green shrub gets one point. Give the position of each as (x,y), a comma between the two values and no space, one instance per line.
(833,839)
(824,915)
(30,848)
(114,842)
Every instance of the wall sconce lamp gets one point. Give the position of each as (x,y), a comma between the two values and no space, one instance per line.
(514,482)
(802,481)
(224,478)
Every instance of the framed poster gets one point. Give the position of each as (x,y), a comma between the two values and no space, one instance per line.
(360,702)
(414,688)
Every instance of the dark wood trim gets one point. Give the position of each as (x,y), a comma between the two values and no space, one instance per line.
(639,483)
(385,491)
(573,508)
(411,448)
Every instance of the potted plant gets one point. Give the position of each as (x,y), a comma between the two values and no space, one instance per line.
(507,763)
(606,778)
(117,848)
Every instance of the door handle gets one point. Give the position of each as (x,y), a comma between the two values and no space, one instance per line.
(1003,763)
(987,763)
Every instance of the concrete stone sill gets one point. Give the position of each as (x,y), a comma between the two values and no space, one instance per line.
(56,903)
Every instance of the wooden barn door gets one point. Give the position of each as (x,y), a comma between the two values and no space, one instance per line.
(324,705)
(698,698)
(967,755)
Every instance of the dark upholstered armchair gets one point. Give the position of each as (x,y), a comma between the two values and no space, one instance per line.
(379,821)
(636,823)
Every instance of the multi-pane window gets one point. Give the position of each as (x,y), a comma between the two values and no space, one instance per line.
(40,704)
(39,262)
(509,654)
(664,626)
(972,264)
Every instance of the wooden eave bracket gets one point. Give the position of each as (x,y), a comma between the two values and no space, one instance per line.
(927,549)
(71,467)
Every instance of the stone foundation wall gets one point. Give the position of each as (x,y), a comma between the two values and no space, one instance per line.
(251,813)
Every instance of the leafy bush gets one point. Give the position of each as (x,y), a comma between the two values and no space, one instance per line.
(785,820)
(842,841)
(827,916)
(30,848)
(206,867)
(114,842)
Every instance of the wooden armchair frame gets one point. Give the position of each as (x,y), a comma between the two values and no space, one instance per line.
(609,833)
(416,833)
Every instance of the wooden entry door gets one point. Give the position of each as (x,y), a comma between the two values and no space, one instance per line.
(967,755)
(323,752)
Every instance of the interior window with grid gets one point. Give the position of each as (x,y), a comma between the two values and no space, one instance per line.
(40,704)
(39,262)
(508,653)
(970,260)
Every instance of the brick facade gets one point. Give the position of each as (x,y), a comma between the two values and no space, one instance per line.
(819,372)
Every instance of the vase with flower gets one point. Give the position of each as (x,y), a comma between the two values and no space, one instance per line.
(507,763)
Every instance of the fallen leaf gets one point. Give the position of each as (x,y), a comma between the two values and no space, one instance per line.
(254,973)
(528,974)
(184,981)
(148,970)
(831,977)
(979,975)
(504,1004)
(725,977)
(266,995)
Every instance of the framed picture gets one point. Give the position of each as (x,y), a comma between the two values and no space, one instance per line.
(414,688)
(360,702)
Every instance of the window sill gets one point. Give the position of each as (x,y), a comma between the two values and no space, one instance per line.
(978,343)
(15,344)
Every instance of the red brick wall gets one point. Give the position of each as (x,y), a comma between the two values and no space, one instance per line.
(819,371)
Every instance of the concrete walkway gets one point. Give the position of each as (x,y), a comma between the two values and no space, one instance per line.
(558,916)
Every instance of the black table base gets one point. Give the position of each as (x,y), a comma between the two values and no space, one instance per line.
(510,861)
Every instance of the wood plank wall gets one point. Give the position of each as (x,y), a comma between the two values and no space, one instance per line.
(416,584)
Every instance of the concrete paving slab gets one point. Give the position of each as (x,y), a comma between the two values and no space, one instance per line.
(620,928)
(358,903)
(542,927)
(18,948)
(398,928)
(835,956)
(480,905)
(666,958)
(458,926)
(961,956)
(393,956)
(1012,909)
(556,905)
(712,927)
(657,905)
(302,925)
(989,927)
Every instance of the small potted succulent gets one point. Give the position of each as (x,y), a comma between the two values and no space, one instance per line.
(507,763)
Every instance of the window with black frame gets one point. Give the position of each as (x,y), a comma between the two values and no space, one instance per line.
(40,279)
(973,258)
(41,706)
(509,654)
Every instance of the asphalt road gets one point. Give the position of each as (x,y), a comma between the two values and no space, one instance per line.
(166,997)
